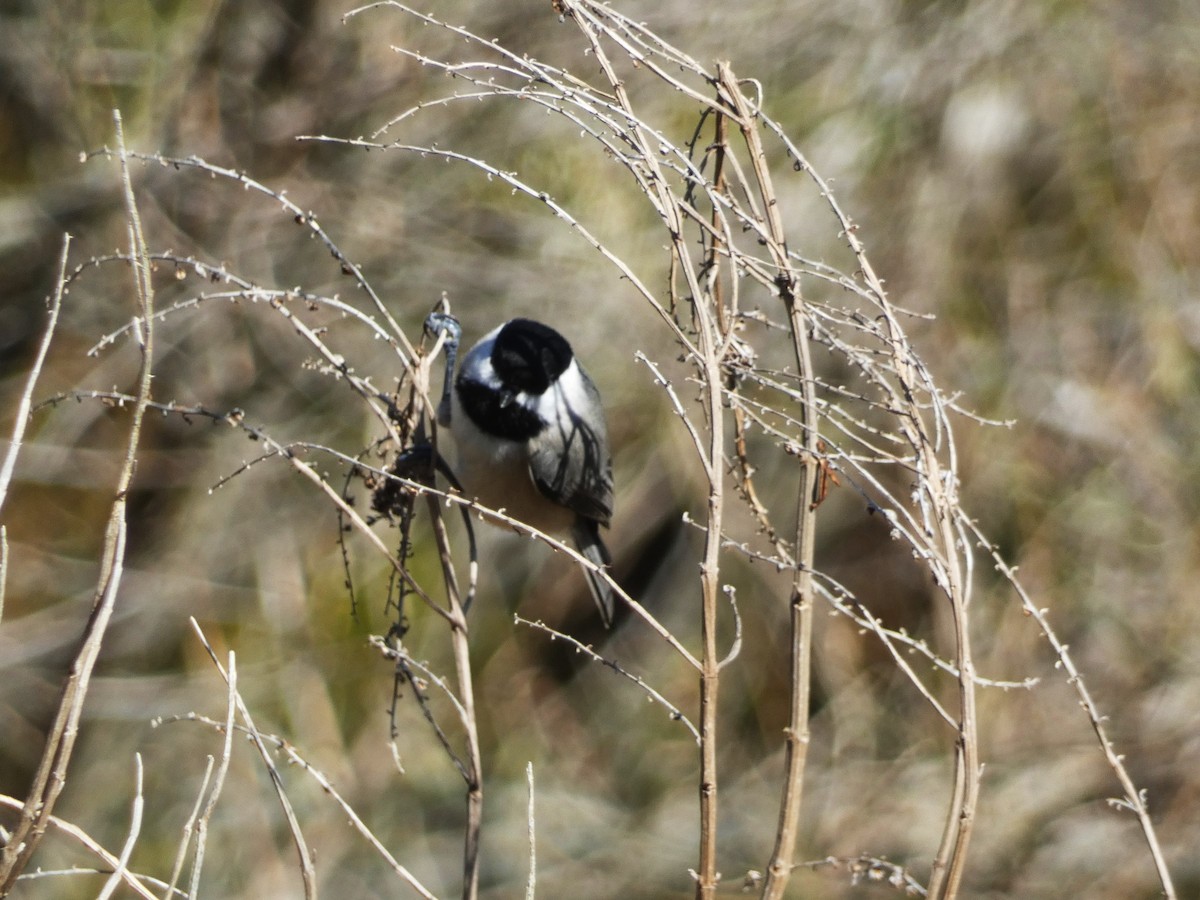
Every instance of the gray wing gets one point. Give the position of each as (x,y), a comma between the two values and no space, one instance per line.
(570,462)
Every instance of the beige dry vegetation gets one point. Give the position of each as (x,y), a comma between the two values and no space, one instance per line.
(1023,176)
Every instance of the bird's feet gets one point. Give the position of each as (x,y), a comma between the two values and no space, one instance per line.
(440,323)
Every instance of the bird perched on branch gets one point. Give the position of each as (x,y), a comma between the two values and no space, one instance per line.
(529,429)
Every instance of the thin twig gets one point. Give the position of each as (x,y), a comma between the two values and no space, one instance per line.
(531,881)
(210,805)
(35,371)
(135,829)
(1135,799)
(395,651)
(294,758)
(307,870)
(188,829)
(870,869)
(671,708)
(3,567)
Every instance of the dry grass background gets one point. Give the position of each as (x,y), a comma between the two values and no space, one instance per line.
(1025,172)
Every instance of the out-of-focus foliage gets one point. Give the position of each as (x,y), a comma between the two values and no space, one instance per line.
(1024,172)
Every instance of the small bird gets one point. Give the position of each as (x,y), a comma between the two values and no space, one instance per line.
(529,428)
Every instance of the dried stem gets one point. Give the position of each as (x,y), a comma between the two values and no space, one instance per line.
(796,735)
(188,829)
(460,646)
(307,870)
(135,829)
(294,758)
(531,825)
(51,774)
(1135,800)
(131,880)
(35,371)
(653,694)
(210,805)
(3,567)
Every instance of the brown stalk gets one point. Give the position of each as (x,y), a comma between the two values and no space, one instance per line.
(461,648)
(51,775)
(950,863)
(460,645)
(710,584)
(708,360)
(796,735)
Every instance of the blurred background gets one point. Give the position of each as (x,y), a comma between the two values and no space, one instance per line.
(1025,173)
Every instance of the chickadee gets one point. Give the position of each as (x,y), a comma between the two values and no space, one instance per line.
(530,433)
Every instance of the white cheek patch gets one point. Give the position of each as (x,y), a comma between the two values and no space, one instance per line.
(477,366)
(565,395)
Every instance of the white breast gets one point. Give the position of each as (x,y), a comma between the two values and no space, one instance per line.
(496,473)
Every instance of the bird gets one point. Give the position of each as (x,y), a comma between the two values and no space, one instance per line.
(530,434)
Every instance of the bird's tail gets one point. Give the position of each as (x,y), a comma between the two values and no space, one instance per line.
(587,538)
